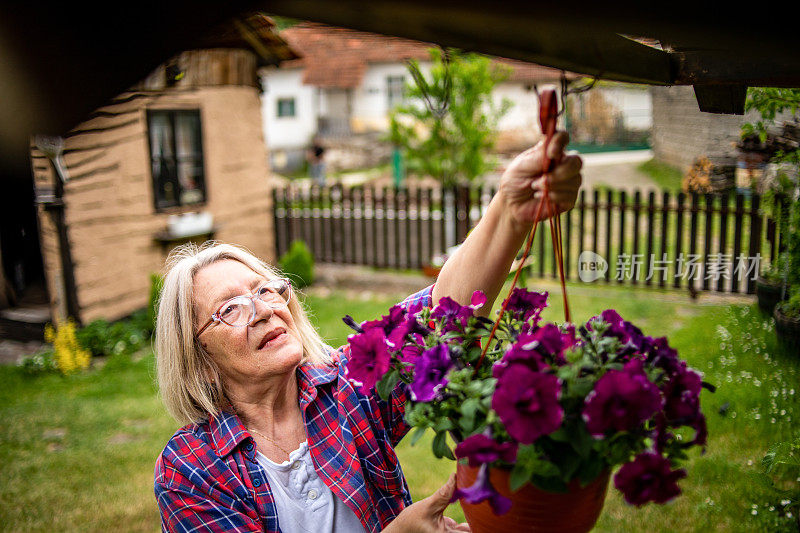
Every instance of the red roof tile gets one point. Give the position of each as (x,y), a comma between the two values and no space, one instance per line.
(338,57)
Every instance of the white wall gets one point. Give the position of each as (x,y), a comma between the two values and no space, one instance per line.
(634,102)
(371,99)
(288,132)
(524,112)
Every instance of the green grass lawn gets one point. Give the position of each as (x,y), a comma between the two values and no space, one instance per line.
(666,176)
(77,453)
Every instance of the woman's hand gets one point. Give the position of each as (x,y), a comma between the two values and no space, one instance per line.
(426,516)
(522,183)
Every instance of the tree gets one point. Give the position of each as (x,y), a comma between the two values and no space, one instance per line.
(448,125)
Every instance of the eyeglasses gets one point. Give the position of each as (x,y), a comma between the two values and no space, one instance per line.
(240,311)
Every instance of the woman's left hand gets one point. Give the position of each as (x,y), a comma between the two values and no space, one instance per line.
(522,182)
(426,516)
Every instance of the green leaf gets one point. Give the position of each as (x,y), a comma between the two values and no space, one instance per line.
(444,424)
(520,475)
(387,384)
(589,470)
(550,484)
(560,435)
(419,432)
(580,439)
(440,447)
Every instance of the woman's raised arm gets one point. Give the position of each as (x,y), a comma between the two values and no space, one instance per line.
(483,261)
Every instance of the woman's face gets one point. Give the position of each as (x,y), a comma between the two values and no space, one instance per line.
(270,346)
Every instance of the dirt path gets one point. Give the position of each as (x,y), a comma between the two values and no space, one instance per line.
(617,170)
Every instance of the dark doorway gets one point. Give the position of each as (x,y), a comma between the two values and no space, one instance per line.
(23,268)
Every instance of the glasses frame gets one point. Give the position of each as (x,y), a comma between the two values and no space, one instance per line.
(215,318)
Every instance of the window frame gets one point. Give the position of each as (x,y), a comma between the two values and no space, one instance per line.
(291,99)
(172,114)
(390,105)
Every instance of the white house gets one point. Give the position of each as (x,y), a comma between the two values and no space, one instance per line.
(346,82)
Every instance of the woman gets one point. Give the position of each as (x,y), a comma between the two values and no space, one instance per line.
(275,432)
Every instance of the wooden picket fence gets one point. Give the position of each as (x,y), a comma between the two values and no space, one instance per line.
(686,241)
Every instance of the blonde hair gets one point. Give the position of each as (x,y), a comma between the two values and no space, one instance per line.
(188,380)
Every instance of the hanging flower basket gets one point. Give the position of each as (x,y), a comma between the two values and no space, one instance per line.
(554,407)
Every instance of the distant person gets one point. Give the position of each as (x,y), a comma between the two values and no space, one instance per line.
(316,161)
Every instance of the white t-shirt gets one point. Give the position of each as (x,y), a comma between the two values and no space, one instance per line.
(305,504)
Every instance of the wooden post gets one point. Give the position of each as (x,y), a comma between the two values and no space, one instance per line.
(651,211)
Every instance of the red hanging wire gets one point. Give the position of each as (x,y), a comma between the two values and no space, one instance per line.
(548,115)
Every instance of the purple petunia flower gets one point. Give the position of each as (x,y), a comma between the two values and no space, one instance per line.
(454,315)
(429,373)
(682,394)
(478,300)
(479,449)
(524,304)
(369,358)
(527,403)
(648,478)
(410,353)
(621,400)
(523,352)
(387,323)
(629,335)
(408,326)
(661,355)
(483,490)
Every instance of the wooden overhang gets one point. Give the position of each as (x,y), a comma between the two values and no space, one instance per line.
(59,61)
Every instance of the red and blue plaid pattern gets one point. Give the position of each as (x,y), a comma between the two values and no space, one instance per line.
(208,479)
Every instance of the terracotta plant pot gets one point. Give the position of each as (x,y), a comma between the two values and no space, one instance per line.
(534,510)
(431,271)
(788,329)
(769,294)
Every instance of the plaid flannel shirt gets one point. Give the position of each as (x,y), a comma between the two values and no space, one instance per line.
(208,479)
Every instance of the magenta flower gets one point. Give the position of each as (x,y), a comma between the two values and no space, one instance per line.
(408,326)
(523,352)
(411,352)
(430,372)
(478,300)
(621,400)
(483,490)
(553,342)
(369,358)
(527,403)
(661,355)
(524,304)
(682,395)
(629,335)
(648,478)
(454,315)
(481,449)
(387,323)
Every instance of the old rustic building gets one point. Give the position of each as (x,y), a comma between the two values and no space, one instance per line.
(188,139)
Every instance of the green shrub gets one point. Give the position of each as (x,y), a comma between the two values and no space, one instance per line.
(298,264)
(123,337)
(791,307)
(38,363)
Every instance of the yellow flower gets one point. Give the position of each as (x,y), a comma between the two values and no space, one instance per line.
(68,354)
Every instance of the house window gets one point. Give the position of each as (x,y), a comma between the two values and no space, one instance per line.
(395,89)
(285,107)
(176,156)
